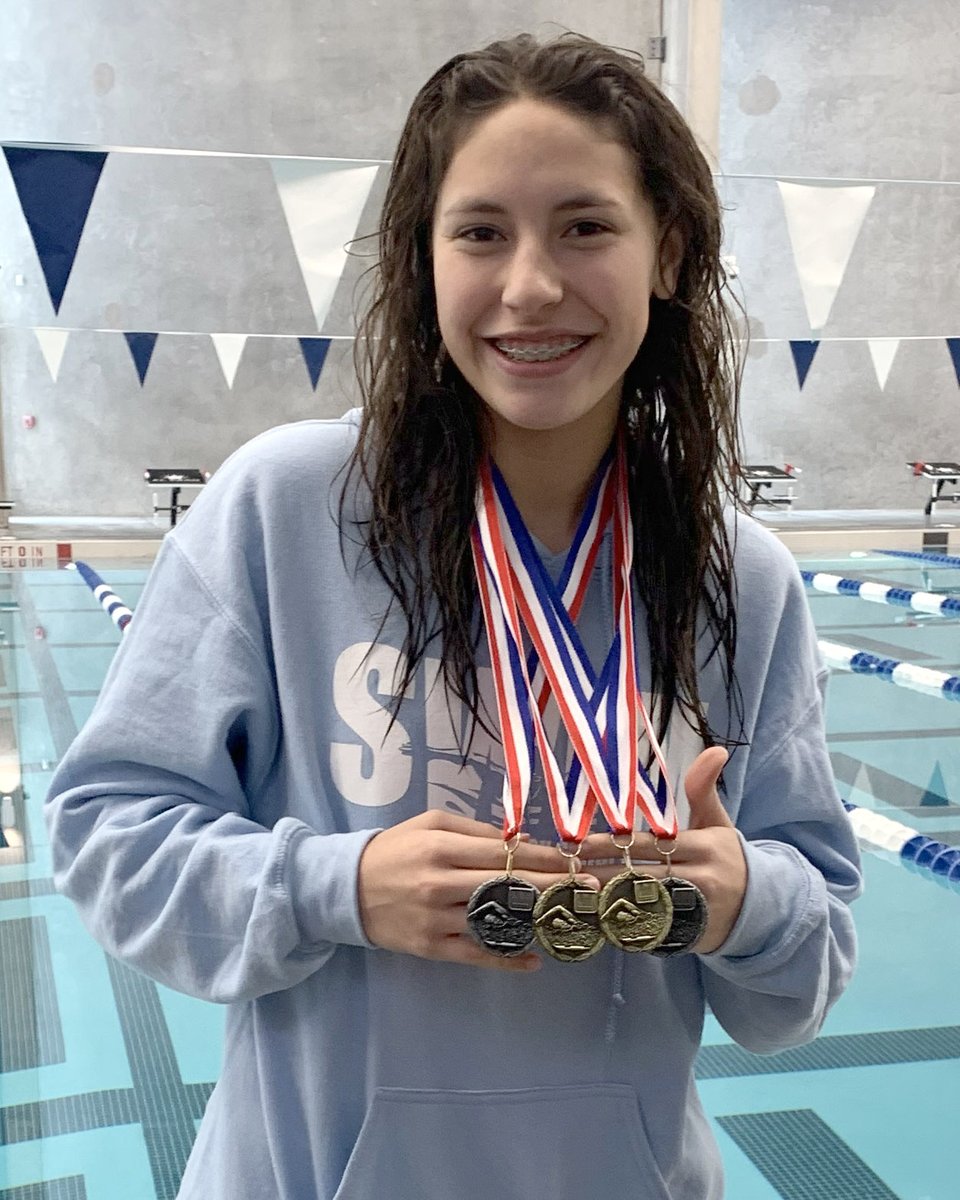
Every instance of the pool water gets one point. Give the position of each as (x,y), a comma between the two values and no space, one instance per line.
(104,1075)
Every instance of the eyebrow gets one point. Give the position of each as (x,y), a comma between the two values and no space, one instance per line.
(581,201)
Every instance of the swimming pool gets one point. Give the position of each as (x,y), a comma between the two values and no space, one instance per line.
(104,1075)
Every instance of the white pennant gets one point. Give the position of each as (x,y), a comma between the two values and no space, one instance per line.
(53,342)
(883,351)
(823,223)
(323,203)
(229,347)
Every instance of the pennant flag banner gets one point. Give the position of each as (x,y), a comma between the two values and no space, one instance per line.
(314,354)
(936,794)
(229,347)
(953,345)
(883,351)
(52,342)
(141,347)
(323,203)
(56,189)
(823,223)
(803,355)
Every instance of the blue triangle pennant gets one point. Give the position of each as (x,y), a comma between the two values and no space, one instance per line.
(141,347)
(936,794)
(953,345)
(314,353)
(803,354)
(56,190)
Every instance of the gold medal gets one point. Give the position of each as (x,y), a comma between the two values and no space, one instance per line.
(636,911)
(567,923)
(566,919)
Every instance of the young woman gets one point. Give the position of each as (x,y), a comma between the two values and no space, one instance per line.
(337,707)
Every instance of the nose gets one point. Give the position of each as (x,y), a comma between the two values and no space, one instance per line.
(532,279)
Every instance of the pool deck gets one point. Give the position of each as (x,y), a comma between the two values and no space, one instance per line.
(802,531)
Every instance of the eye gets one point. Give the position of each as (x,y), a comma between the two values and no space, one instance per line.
(478,233)
(587,228)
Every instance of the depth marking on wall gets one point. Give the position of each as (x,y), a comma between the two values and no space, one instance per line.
(35,556)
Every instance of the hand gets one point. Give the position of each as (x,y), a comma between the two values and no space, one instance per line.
(708,854)
(415,880)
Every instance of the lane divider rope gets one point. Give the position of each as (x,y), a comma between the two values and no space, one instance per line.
(903,674)
(883,593)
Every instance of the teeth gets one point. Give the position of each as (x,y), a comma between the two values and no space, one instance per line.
(534,353)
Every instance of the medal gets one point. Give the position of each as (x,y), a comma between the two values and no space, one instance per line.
(500,912)
(566,919)
(603,717)
(689,917)
(636,910)
(689,913)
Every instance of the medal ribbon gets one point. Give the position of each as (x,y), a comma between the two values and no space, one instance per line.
(618,725)
(512,689)
(603,732)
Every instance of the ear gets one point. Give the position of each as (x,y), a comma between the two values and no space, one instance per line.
(668,264)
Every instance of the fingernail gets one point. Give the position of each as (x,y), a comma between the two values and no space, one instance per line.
(590,880)
(532,964)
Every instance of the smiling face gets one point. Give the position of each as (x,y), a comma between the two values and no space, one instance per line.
(545,255)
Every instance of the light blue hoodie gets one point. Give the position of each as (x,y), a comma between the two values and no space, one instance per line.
(208,823)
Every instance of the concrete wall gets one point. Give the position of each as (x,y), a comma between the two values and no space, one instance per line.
(198,244)
(864,92)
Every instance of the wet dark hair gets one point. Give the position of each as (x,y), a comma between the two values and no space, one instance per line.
(424,429)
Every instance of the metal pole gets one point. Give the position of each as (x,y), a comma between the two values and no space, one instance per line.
(4,510)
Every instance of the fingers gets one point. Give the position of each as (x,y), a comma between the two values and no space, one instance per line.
(436,818)
(461,948)
(600,846)
(691,846)
(476,844)
(700,784)
(459,886)
(483,854)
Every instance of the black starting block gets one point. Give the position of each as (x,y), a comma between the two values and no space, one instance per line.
(778,481)
(938,473)
(176,478)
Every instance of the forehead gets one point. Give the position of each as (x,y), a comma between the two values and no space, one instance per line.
(528,148)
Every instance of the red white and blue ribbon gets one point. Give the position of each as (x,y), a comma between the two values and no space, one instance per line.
(601,714)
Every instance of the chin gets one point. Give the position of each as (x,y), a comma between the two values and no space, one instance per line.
(546,416)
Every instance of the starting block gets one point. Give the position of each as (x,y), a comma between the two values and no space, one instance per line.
(176,478)
(938,473)
(778,481)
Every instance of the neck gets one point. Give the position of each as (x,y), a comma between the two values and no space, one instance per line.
(549,473)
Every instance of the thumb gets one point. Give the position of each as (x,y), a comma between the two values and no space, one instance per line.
(700,784)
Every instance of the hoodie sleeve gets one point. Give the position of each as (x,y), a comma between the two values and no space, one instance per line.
(793,948)
(152,813)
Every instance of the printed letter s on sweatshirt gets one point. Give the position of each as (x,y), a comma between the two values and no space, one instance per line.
(376,773)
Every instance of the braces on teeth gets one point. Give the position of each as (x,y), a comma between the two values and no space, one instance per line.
(540,353)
